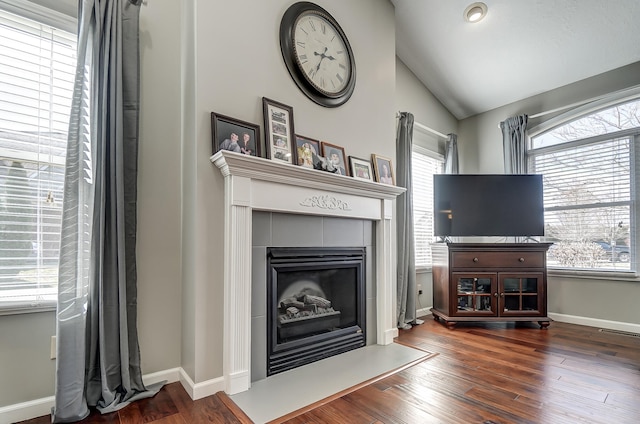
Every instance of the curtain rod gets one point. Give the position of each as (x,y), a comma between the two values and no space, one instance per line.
(425,128)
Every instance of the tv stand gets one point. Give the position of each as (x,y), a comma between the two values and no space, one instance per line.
(490,282)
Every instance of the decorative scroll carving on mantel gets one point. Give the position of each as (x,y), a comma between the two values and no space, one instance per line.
(325,202)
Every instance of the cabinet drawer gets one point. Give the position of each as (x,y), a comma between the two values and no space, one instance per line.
(506,259)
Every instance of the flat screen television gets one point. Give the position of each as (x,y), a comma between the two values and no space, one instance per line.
(488,205)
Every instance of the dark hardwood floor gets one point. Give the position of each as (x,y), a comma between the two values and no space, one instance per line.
(482,373)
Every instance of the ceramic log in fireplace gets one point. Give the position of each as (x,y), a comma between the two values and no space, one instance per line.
(315,304)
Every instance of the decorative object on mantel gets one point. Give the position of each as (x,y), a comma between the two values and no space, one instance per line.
(308,151)
(360,168)
(317,54)
(325,202)
(278,127)
(336,157)
(383,169)
(234,135)
(324,164)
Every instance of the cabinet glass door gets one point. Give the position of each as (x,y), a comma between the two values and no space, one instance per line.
(520,294)
(474,293)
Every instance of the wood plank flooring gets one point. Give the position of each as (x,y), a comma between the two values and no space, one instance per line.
(483,373)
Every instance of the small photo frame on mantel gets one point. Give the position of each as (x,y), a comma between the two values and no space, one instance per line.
(278,127)
(335,154)
(234,135)
(360,168)
(308,151)
(383,169)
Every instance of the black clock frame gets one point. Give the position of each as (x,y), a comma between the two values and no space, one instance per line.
(290,17)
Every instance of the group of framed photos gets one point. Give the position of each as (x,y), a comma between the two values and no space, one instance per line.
(282,144)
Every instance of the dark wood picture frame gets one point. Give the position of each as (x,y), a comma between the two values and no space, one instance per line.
(383,169)
(229,134)
(361,169)
(308,151)
(279,133)
(329,149)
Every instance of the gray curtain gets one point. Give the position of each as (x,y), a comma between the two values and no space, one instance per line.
(98,358)
(406,268)
(451,155)
(514,144)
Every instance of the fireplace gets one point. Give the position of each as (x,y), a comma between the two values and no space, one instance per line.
(257,184)
(315,304)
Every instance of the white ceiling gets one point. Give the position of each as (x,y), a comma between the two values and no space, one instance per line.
(520,49)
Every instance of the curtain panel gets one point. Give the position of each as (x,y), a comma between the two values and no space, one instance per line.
(514,141)
(406,268)
(98,354)
(451,155)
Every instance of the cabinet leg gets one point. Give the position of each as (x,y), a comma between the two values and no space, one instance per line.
(543,324)
(451,325)
(436,318)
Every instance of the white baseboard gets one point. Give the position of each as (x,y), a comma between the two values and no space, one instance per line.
(594,322)
(423,311)
(199,390)
(26,410)
(39,407)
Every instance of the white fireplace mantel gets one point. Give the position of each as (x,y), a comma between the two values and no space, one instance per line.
(253,183)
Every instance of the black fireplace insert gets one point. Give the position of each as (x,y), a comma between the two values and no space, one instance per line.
(316,304)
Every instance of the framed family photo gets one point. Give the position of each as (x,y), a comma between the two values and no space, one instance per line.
(278,126)
(335,155)
(360,168)
(234,135)
(383,169)
(307,151)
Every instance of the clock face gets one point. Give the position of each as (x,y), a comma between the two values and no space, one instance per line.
(317,54)
(321,53)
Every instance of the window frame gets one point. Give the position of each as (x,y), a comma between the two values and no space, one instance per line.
(591,107)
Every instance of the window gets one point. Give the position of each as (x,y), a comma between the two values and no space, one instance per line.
(589,171)
(37,67)
(424,165)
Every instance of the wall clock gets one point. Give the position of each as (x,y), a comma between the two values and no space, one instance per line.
(317,54)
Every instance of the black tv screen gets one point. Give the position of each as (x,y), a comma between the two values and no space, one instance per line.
(488,205)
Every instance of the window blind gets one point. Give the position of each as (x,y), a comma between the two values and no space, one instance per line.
(424,166)
(37,68)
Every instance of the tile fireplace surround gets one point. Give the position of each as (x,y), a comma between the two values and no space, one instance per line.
(252,183)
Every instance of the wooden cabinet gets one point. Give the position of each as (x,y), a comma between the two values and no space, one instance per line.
(490,282)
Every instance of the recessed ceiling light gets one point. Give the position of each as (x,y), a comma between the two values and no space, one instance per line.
(475,12)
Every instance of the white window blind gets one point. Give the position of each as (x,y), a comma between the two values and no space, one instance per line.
(424,165)
(37,67)
(588,189)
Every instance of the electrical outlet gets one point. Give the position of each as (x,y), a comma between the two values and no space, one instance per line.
(419,286)
(53,347)
(420,291)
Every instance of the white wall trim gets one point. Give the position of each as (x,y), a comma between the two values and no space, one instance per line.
(26,410)
(39,407)
(595,322)
(200,390)
(423,311)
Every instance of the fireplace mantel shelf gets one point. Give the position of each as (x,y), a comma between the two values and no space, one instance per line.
(253,183)
(237,164)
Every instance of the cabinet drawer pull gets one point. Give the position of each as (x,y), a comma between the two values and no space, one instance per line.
(475,259)
(521,259)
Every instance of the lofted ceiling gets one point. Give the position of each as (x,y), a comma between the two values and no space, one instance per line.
(520,49)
